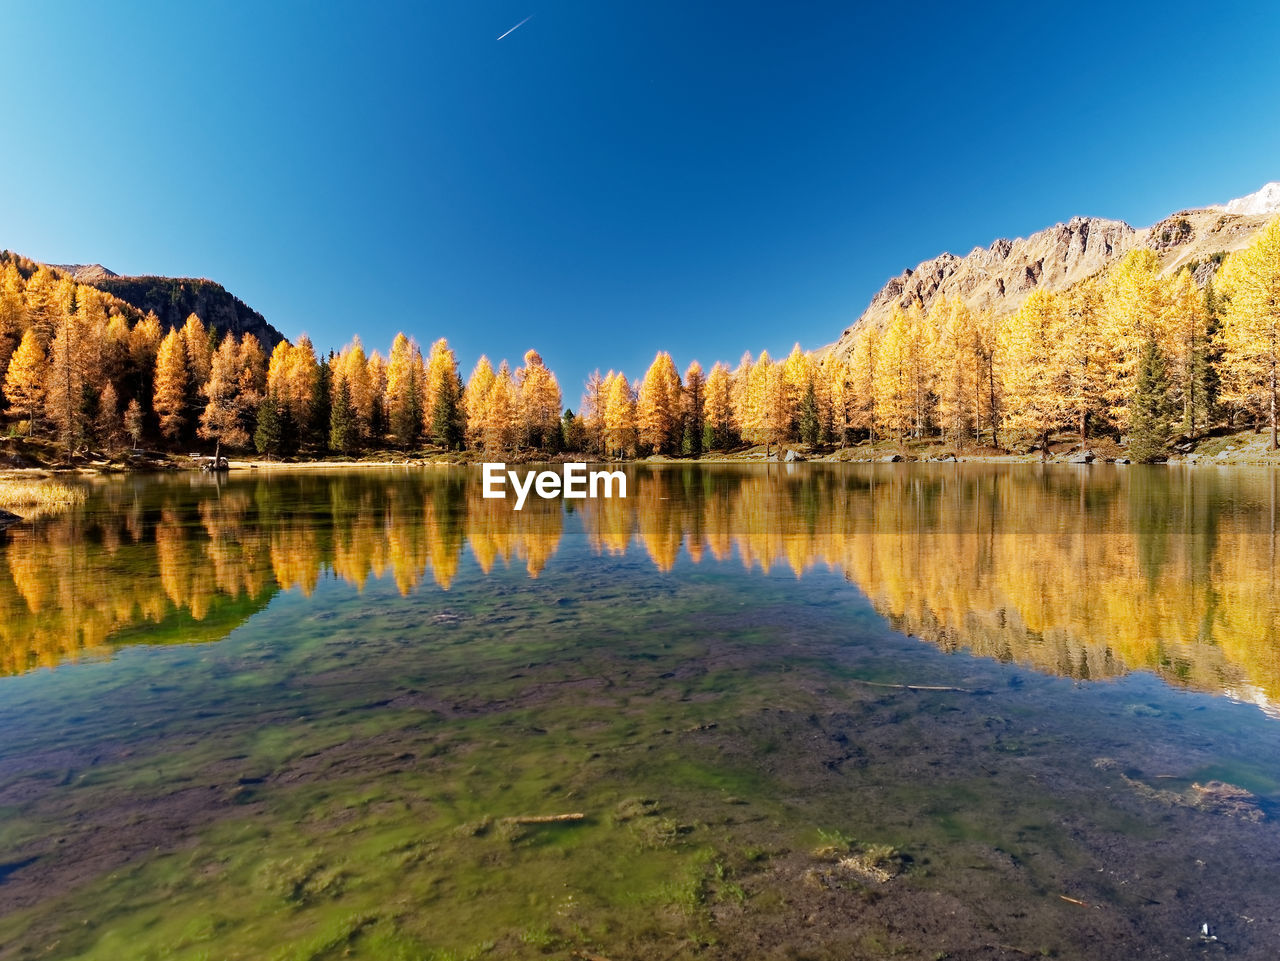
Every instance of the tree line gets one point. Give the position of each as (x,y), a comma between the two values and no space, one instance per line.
(1131,354)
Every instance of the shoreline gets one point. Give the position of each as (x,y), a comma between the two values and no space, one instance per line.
(1242,449)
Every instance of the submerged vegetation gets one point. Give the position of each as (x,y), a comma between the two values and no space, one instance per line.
(755,766)
(95,372)
(1175,585)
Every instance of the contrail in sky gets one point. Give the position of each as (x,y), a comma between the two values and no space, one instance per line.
(517,26)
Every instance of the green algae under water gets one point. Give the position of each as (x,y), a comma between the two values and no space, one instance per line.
(818,712)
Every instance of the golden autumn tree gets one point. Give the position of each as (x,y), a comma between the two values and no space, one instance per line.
(1033,370)
(863,380)
(539,403)
(443,399)
(720,432)
(1188,347)
(893,386)
(172,384)
(475,401)
(595,401)
(198,340)
(377,397)
(620,417)
(957,369)
(232,391)
(1083,353)
(70,355)
(501,427)
(403,401)
(351,369)
(1249,335)
(13,312)
(658,423)
(1135,310)
(24,382)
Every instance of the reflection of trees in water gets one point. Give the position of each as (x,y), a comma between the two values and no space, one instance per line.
(1082,573)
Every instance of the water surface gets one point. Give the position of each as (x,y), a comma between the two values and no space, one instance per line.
(802,711)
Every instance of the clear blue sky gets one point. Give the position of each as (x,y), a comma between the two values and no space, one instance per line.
(610,179)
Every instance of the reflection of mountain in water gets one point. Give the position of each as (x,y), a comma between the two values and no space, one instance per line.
(1087,574)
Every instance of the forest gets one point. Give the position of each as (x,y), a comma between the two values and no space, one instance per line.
(1132,355)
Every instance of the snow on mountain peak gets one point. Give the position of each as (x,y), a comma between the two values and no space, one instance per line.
(1264,201)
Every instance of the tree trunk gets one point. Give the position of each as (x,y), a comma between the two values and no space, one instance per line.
(1273,405)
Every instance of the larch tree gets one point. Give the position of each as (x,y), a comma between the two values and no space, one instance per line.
(539,403)
(1249,331)
(1134,309)
(658,425)
(13,312)
(231,393)
(198,340)
(133,422)
(1186,330)
(595,400)
(893,386)
(501,427)
(1083,356)
(475,401)
(24,383)
(404,392)
(863,380)
(172,384)
(620,417)
(719,432)
(1031,345)
(69,356)
(448,427)
(144,349)
(108,427)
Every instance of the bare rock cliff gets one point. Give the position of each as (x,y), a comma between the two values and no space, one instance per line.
(1000,277)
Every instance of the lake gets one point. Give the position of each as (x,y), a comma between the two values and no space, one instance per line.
(787,711)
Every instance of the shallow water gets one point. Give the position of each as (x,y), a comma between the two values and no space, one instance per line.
(804,711)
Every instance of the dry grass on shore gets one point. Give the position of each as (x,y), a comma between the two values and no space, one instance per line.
(36,496)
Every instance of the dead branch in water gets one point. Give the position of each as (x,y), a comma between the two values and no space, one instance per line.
(914,687)
(544,818)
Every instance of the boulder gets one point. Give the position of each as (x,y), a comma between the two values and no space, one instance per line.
(1084,457)
(891,459)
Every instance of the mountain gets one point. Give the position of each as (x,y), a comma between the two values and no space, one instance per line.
(85,273)
(1264,201)
(174,298)
(1001,276)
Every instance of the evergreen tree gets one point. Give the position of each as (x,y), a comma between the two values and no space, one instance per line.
(1150,410)
(344,426)
(695,404)
(315,430)
(267,437)
(446,412)
(573,432)
(808,421)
